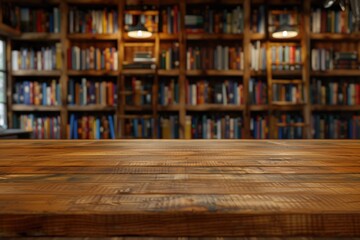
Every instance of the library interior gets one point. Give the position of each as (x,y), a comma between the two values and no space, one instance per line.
(179,118)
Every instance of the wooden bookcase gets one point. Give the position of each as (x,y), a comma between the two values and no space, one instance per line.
(121,76)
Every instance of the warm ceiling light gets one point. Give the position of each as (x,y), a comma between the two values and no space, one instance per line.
(139,31)
(285,31)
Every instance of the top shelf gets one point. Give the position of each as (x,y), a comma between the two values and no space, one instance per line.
(334,36)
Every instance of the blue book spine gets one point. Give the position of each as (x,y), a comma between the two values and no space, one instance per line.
(112,127)
(75,128)
(44,94)
(135,127)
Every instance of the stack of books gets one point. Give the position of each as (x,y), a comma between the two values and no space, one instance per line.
(142,60)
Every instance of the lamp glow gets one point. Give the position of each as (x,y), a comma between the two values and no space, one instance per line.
(285,32)
(139,31)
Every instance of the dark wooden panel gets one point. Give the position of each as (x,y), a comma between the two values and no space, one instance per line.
(180,188)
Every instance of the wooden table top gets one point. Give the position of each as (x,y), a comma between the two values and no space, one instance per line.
(180,188)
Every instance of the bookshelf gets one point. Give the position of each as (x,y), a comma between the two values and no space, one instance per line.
(189,90)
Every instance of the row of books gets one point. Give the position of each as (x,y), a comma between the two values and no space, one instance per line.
(258,56)
(204,91)
(43,127)
(259,126)
(335,126)
(331,21)
(282,17)
(219,58)
(138,91)
(141,59)
(215,21)
(169,21)
(140,127)
(85,92)
(286,57)
(39,20)
(213,127)
(258,16)
(37,93)
(168,127)
(334,92)
(93,21)
(151,22)
(169,92)
(258,91)
(290,126)
(91,127)
(45,58)
(92,58)
(327,59)
(169,58)
(287,93)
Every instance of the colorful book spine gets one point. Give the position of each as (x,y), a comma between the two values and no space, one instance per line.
(169,92)
(258,91)
(204,92)
(86,92)
(139,128)
(210,20)
(37,93)
(259,126)
(331,21)
(219,58)
(169,58)
(43,127)
(138,92)
(290,126)
(287,93)
(92,58)
(335,92)
(323,59)
(335,126)
(258,56)
(93,21)
(169,21)
(213,127)
(286,57)
(39,20)
(91,127)
(45,58)
(168,127)
(258,16)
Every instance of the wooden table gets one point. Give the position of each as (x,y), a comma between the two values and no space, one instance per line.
(179,188)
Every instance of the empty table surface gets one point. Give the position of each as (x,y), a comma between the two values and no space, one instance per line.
(174,188)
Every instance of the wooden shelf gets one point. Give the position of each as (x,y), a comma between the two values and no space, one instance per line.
(166,36)
(336,73)
(259,108)
(92,73)
(139,71)
(287,106)
(290,124)
(173,72)
(214,73)
(36,73)
(334,36)
(34,108)
(215,107)
(39,37)
(92,36)
(258,36)
(214,36)
(102,2)
(90,108)
(286,81)
(279,73)
(335,108)
(212,1)
(138,108)
(140,12)
(168,108)
(258,73)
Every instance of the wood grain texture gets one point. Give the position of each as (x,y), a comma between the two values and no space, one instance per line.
(175,188)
